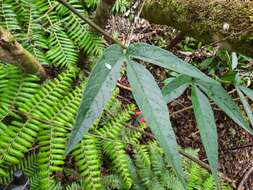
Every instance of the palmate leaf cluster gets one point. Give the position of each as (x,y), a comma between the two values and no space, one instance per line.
(52,33)
(152,101)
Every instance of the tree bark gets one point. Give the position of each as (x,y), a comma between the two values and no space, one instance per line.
(229,22)
(12,52)
(103,12)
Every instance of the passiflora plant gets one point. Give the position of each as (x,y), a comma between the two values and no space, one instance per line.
(152,101)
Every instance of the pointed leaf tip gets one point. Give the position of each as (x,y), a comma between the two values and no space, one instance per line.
(221,98)
(207,127)
(97,92)
(166,59)
(154,109)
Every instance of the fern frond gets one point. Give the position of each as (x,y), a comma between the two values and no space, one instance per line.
(21,8)
(115,149)
(113,127)
(157,161)
(144,171)
(34,39)
(193,177)
(116,152)
(8,18)
(120,6)
(112,182)
(92,3)
(29,165)
(143,154)
(62,51)
(133,136)
(208,183)
(16,87)
(78,32)
(63,11)
(75,186)
(52,139)
(48,183)
(19,136)
(88,161)
(49,94)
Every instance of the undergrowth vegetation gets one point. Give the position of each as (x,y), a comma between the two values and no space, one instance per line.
(70,132)
(35,124)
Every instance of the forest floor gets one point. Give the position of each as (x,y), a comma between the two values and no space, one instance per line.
(235,145)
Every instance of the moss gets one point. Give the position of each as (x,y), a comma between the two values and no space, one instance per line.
(205,19)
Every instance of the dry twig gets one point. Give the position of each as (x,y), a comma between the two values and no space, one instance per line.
(246,176)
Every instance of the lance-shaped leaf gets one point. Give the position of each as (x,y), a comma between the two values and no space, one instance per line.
(163,58)
(176,87)
(247,91)
(206,124)
(245,104)
(234,60)
(225,102)
(97,92)
(151,102)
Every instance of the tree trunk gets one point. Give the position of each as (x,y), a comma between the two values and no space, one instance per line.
(229,22)
(12,52)
(103,12)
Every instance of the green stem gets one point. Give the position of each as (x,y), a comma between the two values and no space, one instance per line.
(91,23)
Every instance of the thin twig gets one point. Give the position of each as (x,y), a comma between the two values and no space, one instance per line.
(123,87)
(137,16)
(191,107)
(238,148)
(91,23)
(246,176)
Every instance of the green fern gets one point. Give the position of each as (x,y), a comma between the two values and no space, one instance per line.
(115,149)
(62,51)
(8,18)
(53,136)
(112,181)
(88,160)
(20,135)
(78,32)
(16,86)
(47,29)
(29,165)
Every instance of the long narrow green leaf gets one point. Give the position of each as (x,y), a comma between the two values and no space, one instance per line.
(207,128)
(151,102)
(225,102)
(176,88)
(98,91)
(234,60)
(163,58)
(245,105)
(247,91)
